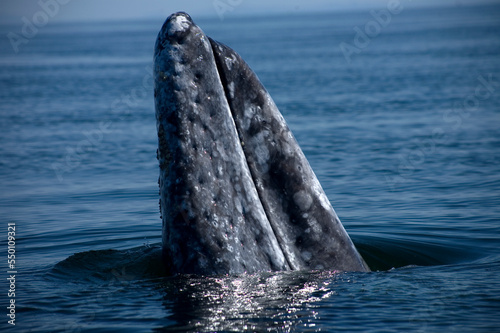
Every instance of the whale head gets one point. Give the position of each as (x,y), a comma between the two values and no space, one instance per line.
(237,193)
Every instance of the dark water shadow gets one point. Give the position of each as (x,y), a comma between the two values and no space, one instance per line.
(382,254)
(139,263)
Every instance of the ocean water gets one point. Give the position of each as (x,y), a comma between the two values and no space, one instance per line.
(402,129)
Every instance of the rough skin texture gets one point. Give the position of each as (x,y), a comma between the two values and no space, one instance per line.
(213,221)
(236,192)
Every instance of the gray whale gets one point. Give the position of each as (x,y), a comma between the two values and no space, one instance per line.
(237,194)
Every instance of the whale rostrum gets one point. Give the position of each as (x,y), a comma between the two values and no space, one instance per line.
(237,193)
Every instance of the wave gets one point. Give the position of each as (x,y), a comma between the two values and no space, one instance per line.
(145,262)
(112,265)
(395,252)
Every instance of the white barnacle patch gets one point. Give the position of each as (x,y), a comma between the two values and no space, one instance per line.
(248,116)
(237,205)
(324,201)
(179,69)
(315,228)
(230,61)
(231,89)
(287,149)
(206,43)
(179,24)
(262,152)
(281,120)
(320,194)
(303,200)
(215,221)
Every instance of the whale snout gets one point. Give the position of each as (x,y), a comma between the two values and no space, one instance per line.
(177,26)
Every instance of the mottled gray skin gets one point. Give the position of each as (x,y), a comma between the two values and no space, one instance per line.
(308,230)
(236,192)
(213,220)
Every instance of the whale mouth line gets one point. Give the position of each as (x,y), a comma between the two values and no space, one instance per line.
(228,95)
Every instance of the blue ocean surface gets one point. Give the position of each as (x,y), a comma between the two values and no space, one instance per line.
(400,123)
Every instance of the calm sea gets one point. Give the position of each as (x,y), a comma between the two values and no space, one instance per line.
(400,123)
